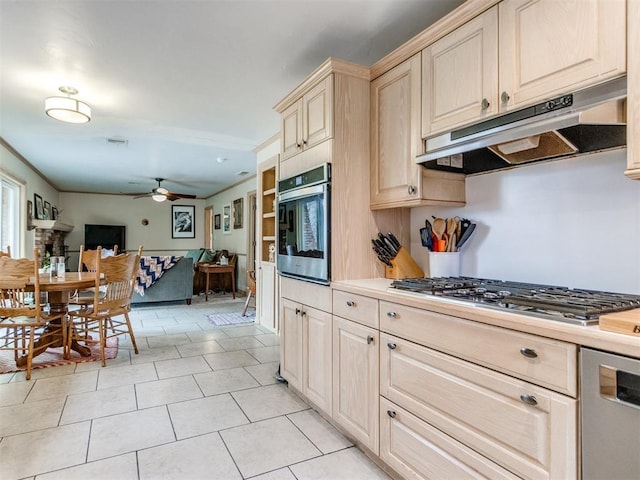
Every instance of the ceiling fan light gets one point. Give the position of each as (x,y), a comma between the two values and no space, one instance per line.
(162,190)
(67,109)
(159,197)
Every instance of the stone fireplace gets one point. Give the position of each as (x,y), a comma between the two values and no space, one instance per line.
(49,238)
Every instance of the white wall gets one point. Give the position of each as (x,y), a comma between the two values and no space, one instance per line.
(81,208)
(573,222)
(16,168)
(236,241)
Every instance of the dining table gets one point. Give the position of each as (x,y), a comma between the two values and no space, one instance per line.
(59,290)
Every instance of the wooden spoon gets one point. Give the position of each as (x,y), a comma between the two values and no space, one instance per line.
(451,230)
(439,227)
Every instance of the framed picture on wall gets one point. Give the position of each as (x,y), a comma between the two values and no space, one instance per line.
(226,219)
(37,199)
(216,221)
(183,221)
(54,213)
(237,213)
(47,211)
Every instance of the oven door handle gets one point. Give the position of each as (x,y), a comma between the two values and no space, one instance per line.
(620,386)
(303,192)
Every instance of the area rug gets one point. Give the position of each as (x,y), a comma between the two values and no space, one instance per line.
(53,357)
(231,318)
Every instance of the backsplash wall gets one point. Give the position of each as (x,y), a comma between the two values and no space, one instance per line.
(573,222)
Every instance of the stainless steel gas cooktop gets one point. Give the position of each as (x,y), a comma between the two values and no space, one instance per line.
(580,307)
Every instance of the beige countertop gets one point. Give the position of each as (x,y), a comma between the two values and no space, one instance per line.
(590,336)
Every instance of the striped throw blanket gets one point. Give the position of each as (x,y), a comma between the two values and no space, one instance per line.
(151,269)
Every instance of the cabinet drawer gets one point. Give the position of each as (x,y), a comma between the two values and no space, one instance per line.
(356,307)
(545,362)
(526,429)
(415,449)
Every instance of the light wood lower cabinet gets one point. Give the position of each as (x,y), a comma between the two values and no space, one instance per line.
(355,380)
(306,352)
(417,450)
(291,343)
(524,428)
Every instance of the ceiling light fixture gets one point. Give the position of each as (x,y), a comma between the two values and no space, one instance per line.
(67,109)
(159,197)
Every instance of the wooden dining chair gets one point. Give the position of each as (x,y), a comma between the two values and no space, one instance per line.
(7,253)
(22,321)
(251,290)
(87,263)
(117,275)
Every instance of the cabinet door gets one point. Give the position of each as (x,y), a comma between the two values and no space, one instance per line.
(317,107)
(549,47)
(291,343)
(266,295)
(460,75)
(317,357)
(292,130)
(395,133)
(355,380)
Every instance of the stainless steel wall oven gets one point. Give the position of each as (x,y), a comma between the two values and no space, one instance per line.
(304,225)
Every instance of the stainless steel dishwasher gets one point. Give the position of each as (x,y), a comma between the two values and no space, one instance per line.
(610,392)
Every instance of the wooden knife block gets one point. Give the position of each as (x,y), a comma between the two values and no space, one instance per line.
(404,266)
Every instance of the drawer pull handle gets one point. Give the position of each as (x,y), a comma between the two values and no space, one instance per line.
(529,399)
(391,413)
(529,352)
(392,314)
(351,303)
(369,340)
(392,346)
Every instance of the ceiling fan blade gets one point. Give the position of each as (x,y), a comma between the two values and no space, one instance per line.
(175,196)
(140,195)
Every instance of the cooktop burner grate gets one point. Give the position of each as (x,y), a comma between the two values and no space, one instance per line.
(578,306)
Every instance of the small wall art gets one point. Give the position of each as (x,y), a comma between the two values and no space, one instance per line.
(237,213)
(217,224)
(226,219)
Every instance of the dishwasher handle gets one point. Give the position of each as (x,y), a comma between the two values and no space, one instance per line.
(620,386)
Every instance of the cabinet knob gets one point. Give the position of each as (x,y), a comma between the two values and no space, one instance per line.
(485,104)
(392,346)
(304,142)
(351,303)
(298,311)
(529,399)
(369,340)
(391,413)
(528,352)
(411,189)
(299,145)
(504,97)
(303,313)
(392,314)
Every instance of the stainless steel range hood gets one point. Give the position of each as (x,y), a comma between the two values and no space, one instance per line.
(588,120)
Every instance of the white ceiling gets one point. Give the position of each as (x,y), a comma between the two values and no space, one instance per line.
(184,82)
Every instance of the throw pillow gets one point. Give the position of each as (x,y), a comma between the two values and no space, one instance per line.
(208,256)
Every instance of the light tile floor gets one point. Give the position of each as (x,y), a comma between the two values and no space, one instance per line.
(197,402)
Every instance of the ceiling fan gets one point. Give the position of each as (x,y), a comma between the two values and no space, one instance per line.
(160,194)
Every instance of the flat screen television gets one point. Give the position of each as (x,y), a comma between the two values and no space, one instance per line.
(105,236)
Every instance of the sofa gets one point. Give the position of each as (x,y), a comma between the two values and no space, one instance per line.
(175,284)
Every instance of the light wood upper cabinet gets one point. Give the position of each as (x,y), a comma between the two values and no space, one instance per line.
(460,75)
(396,180)
(308,121)
(549,47)
(518,53)
(633,91)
